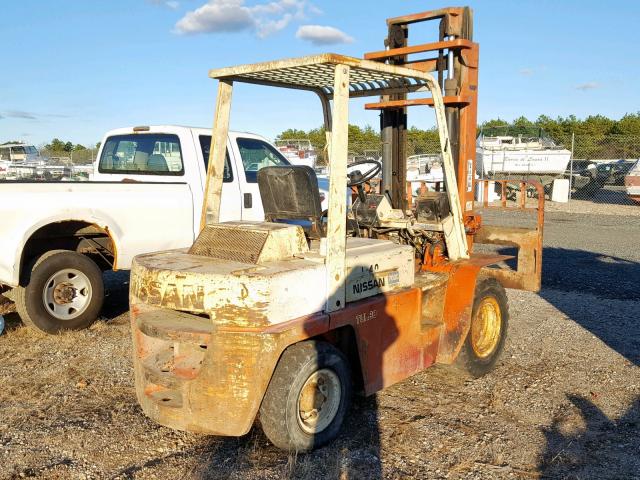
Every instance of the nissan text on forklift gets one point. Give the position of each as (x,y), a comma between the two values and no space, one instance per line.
(280,321)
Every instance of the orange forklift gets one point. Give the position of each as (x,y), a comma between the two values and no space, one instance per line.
(280,321)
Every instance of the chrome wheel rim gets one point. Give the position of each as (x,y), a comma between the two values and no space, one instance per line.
(67,294)
(318,401)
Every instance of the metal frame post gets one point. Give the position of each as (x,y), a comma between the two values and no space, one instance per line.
(455,234)
(337,215)
(395,127)
(573,144)
(387,152)
(217,155)
(328,122)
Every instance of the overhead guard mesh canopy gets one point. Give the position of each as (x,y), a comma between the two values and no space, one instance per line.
(316,72)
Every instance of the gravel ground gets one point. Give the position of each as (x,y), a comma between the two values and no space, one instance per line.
(564,401)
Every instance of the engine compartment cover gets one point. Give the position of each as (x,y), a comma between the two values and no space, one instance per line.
(250,242)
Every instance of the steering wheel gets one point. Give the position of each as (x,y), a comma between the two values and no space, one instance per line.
(356,177)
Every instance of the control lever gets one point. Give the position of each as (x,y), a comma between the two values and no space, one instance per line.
(355,179)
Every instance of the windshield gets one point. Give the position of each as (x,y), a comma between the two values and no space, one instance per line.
(17,150)
(257,154)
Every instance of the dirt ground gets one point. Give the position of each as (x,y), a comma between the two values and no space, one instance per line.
(564,401)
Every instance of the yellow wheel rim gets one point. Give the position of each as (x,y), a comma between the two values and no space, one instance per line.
(486,327)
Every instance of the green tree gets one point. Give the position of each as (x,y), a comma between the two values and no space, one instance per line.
(292,134)
(627,125)
(318,138)
(56,145)
(597,136)
(422,141)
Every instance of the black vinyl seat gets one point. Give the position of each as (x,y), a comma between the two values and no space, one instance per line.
(290,192)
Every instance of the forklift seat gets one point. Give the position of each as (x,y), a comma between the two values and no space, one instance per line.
(290,192)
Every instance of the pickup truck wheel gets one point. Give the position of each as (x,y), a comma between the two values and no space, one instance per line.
(489,322)
(307,398)
(65,291)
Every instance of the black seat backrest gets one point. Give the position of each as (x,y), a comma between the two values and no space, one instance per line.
(290,192)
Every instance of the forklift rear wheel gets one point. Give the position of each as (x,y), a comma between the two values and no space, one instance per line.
(488,331)
(64,292)
(307,398)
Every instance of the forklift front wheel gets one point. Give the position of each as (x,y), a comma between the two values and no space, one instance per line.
(489,322)
(307,398)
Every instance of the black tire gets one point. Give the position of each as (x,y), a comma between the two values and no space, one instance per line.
(280,415)
(30,302)
(469,360)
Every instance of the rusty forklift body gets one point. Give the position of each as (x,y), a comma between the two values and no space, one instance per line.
(211,325)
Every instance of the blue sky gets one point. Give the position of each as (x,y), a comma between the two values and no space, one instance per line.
(75,69)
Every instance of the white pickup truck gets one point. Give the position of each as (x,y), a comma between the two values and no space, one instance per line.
(56,238)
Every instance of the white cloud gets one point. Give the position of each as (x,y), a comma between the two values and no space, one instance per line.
(20,114)
(322,35)
(216,16)
(527,72)
(234,16)
(588,86)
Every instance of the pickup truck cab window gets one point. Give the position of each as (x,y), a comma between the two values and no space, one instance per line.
(257,154)
(205,146)
(142,154)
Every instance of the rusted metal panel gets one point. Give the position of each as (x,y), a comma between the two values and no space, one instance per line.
(455,14)
(458,302)
(448,100)
(459,43)
(528,275)
(392,341)
(212,381)
(209,375)
(230,292)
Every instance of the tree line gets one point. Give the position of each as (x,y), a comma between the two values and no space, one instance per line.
(596,136)
(61,147)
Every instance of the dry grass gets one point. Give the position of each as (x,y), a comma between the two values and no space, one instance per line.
(563,403)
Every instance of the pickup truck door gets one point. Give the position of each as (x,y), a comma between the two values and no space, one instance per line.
(251,154)
(230,203)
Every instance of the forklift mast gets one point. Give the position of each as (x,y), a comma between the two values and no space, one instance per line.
(455,59)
